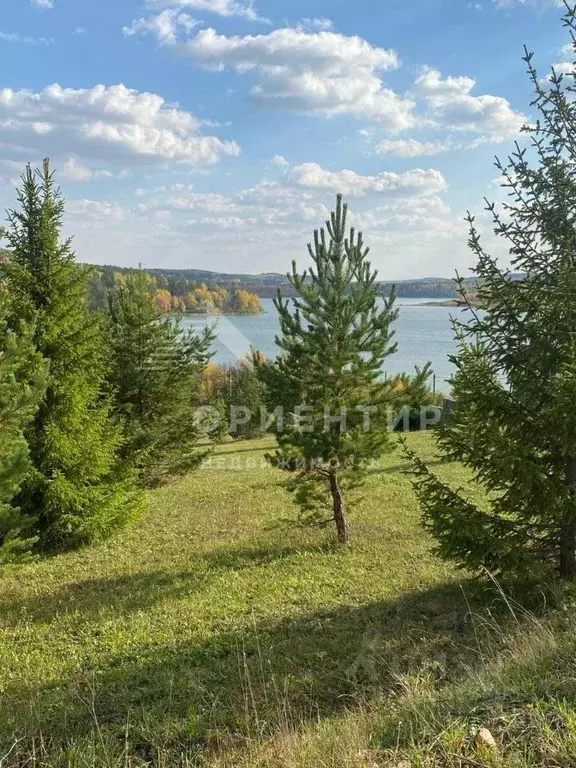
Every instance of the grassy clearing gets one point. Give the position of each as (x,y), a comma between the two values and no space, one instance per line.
(212,635)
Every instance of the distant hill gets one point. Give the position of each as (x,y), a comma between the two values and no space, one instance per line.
(266,285)
(267,278)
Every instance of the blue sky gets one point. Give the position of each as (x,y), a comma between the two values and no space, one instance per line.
(214,134)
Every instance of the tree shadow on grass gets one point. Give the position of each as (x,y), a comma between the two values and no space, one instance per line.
(102,596)
(404,469)
(240,557)
(238,447)
(250,681)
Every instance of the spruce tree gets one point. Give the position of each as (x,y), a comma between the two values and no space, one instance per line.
(336,336)
(78,489)
(515,384)
(22,385)
(154,381)
(243,395)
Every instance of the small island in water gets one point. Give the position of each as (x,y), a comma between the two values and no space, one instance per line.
(446,303)
(457,303)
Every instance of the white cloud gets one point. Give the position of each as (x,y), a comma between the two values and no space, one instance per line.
(413,147)
(183,198)
(224,222)
(320,23)
(409,183)
(432,85)
(399,216)
(322,73)
(328,52)
(114,124)
(166,26)
(564,68)
(43,3)
(426,212)
(220,7)
(301,197)
(273,194)
(533,3)
(72,170)
(423,230)
(327,74)
(430,215)
(75,171)
(280,161)
(95,213)
(13,37)
(452,105)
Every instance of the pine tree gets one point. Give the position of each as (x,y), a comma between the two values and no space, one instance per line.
(22,385)
(154,380)
(515,385)
(335,339)
(78,489)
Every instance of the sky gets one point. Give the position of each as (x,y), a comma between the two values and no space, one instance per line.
(215,134)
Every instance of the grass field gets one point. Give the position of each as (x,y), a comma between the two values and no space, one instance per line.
(216,633)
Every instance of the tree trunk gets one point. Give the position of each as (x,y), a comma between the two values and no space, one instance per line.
(339,510)
(568,527)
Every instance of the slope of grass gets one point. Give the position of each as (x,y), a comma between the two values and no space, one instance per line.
(214,633)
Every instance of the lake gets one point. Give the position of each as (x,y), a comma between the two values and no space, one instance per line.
(423,334)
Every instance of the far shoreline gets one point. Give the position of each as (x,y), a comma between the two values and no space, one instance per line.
(454,303)
(218,314)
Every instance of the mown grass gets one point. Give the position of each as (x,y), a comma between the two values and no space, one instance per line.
(215,634)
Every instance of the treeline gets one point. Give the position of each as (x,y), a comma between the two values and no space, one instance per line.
(264,286)
(173,293)
(433,288)
(267,285)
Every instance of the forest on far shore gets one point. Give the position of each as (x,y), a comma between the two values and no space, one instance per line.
(175,293)
(266,285)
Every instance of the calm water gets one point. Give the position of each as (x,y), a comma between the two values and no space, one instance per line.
(423,334)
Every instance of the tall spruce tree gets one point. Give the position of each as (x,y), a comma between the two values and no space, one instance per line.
(515,385)
(22,385)
(335,339)
(78,489)
(154,380)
